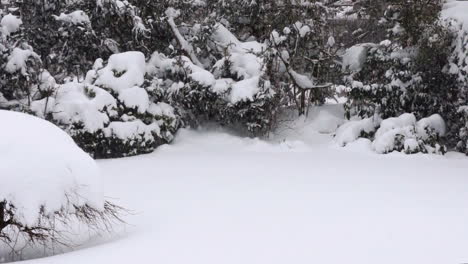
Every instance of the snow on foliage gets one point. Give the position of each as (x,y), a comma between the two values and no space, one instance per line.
(77,17)
(80,103)
(110,114)
(231,93)
(135,97)
(456,10)
(352,130)
(355,57)
(434,123)
(10,24)
(392,131)
(123,71)
(18,59)
(403,133)
(35,153)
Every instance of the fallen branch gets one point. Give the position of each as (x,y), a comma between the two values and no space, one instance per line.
(171,14)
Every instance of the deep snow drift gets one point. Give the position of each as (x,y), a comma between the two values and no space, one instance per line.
(41,166)
(215,198)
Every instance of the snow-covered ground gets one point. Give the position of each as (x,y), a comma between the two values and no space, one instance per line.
(458,10)
(214,198)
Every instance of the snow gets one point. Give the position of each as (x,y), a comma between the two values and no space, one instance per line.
(386,142)
(435,123)
(212,197)
(10,24)
(222,85)
(244,90)
(47,81)
(135,97)
(162,109)
(405,120)
(123,71)
(243,61)
(352,130)
(77,17)
(198,74)
(159,63)
(393,131)
(390,128)
(303,81)
(246,65)
(223,37)
(457,10)
(72,104)
(17,61)
(172,14)
(42,166)
(127,131)
(355,57)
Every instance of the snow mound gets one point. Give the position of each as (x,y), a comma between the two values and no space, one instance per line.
(77,17)
(402,133)
(135,97)
(10,24)
(124,70)
(433,123)
(352,130)
(315,128)
(405,120)
(41,166)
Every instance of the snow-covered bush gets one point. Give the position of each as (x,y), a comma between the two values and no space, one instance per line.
(307,81)
(458,66)
(112,113)
(235,95)
(48,184)
(20,65)
(352,130)
(378,80)
(462,144)
(403,133)
(417,70)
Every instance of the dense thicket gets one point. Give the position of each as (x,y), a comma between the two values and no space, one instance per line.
(237,63)
(415,68)
(232,62)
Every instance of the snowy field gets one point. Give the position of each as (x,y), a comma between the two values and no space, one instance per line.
(214,198)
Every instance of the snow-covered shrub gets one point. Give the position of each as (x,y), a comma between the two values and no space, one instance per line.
(112,113)
(234,93)
(225,39)
(19,75)
(403,133)
(380,82)
(408,75)
(352,130)
(462,144)
(458,66)
(308,81)
(20,65)
(48,184)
